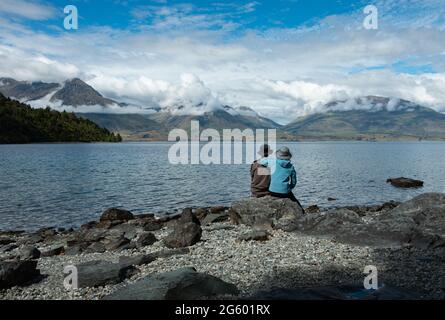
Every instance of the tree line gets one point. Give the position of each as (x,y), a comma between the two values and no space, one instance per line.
(19,123)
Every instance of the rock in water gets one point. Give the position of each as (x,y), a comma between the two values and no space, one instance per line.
(405,182)
(181,284)
(101,273)
(268,212)
(116,214)
(14,273)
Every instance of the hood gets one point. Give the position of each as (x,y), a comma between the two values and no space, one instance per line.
(284,163)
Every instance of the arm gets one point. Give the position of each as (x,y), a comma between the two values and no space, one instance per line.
(293,179)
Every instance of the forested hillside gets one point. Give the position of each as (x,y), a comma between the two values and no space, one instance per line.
(19,123)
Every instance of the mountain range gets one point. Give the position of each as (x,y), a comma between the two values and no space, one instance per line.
(371,117)
(362,118)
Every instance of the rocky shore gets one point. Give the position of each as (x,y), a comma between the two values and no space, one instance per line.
(256,249)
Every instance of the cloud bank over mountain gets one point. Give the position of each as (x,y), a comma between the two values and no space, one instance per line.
(192,60)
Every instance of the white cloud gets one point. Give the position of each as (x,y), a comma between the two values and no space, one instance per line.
(280,73)
(26,9)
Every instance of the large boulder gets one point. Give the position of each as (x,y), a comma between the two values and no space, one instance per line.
(186,231)
(181,284)
(403,182)
(331,221)
(15,272)
(116,214)
(268,212)
(184,235)
(102,273)
(419,222)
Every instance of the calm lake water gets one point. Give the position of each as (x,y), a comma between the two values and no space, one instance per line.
(70,184)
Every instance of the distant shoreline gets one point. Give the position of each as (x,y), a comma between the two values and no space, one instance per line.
(279,140)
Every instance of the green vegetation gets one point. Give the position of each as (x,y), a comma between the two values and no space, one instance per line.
(19,123)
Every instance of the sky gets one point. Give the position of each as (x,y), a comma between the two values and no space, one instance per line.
(282,58)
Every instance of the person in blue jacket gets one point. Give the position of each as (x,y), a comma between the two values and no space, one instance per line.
(284,176)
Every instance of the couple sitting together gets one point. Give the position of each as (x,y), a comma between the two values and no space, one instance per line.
(273,176)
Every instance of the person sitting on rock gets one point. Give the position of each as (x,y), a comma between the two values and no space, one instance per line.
(260,175)
(283,174)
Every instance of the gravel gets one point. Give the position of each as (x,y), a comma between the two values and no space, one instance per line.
(286,260)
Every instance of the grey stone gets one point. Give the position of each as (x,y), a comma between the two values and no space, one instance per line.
(256,235)
(95,247)
(128,230)
(145,239)
(116,214)
(115,243)
(403,182)
(215,217)
(8,247)
(29,253)
(15,273)
(53,251)
(101,273)
(181,284)
(184,235)
(268,212)
(6,240)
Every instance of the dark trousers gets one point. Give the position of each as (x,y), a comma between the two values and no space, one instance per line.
(290,195)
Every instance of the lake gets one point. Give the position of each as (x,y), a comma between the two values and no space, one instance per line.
(69,184)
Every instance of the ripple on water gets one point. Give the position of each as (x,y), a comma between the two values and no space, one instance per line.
(69,184)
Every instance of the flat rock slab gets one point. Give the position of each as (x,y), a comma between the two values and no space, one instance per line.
(215,217)
(101,273)
(181,284)
(256,235)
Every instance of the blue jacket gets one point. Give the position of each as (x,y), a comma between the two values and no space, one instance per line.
(284,176)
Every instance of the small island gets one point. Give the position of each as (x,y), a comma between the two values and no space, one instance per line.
(19,123)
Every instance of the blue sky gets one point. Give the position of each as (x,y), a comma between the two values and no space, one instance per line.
(249,14)
(283,58)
